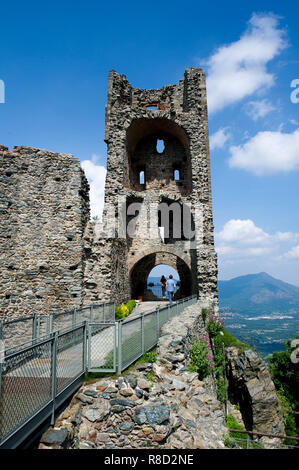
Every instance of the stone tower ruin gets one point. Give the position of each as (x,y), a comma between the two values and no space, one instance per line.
(158,207)
(158,183)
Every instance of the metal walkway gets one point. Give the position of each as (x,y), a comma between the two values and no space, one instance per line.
(36,378)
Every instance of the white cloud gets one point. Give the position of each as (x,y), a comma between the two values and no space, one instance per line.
(96,175)
(242,231)
(267,152)
(259,109)
(242,238)
(293,253)
(219,138)
(239,69)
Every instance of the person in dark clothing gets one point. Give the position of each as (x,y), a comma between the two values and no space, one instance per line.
(163,282)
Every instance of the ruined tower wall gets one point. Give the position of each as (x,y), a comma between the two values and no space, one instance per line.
(105,273)
(180,115)
(44,207)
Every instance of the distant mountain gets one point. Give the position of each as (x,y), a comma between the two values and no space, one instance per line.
(257,294)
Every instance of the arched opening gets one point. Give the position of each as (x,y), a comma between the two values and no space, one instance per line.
(140,272)
(157,278)
(159,148)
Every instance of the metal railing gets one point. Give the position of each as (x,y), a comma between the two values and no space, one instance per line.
(35,380)
(250,443)
(139,334)
(21,332)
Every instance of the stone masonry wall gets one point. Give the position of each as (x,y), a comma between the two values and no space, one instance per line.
(131,132)
(162,404)
(159,405)
(105,273)
(44,207)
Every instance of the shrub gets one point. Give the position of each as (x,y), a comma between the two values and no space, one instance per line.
(117,313)
(204,314)
(201,358)
(123,310)
(215,325)
(131,304)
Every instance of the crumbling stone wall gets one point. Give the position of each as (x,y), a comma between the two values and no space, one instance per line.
(52,259)
(44,206)
(105,273)
(131,133)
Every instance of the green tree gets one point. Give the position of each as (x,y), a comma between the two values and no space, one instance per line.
(284,370)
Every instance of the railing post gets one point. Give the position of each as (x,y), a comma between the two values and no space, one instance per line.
(85,326)
(1,330)
(113,311)
(114,346)
(119,365)
(51,321)
(90,313)
(74,317)
(225,381)
(34,328)
(38,327)
(157,321)
(53,373)
(2,354)
(89,338)
(168,308)
(142,334)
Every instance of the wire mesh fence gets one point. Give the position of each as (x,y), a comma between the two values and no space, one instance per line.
(33,377)
(241,443)
(21,332)
(140,334)
(102,345)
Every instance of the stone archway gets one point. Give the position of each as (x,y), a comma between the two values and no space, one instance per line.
(141,269)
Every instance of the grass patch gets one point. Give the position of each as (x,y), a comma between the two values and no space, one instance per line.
(233,439)
(230,340)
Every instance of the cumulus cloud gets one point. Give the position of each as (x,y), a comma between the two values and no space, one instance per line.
(96,175)
(219,138)
(244,238)
(293,253)
(242,231)
(258,109)
(239,69)
(267,153)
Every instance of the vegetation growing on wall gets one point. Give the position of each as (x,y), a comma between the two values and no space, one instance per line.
(285,375)
(122,311)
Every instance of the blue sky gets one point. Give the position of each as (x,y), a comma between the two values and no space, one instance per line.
(54,62)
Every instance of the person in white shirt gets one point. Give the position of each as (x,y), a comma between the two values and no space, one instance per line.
(170,288)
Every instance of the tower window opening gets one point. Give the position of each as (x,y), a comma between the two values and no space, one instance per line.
(176,175)
(152,106)
(160,147)
(141,177)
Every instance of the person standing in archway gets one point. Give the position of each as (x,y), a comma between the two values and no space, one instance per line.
(170,288)
(163,282)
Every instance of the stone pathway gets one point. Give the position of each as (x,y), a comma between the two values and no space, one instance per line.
(157,405)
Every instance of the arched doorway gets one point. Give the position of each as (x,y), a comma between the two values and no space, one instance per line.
(141,269)
(154,280)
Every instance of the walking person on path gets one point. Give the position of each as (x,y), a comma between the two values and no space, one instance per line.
(170,288)
(163,282)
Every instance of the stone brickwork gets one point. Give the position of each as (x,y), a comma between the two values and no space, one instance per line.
(141,172)
(44,208)
(53,258)
(158,405)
